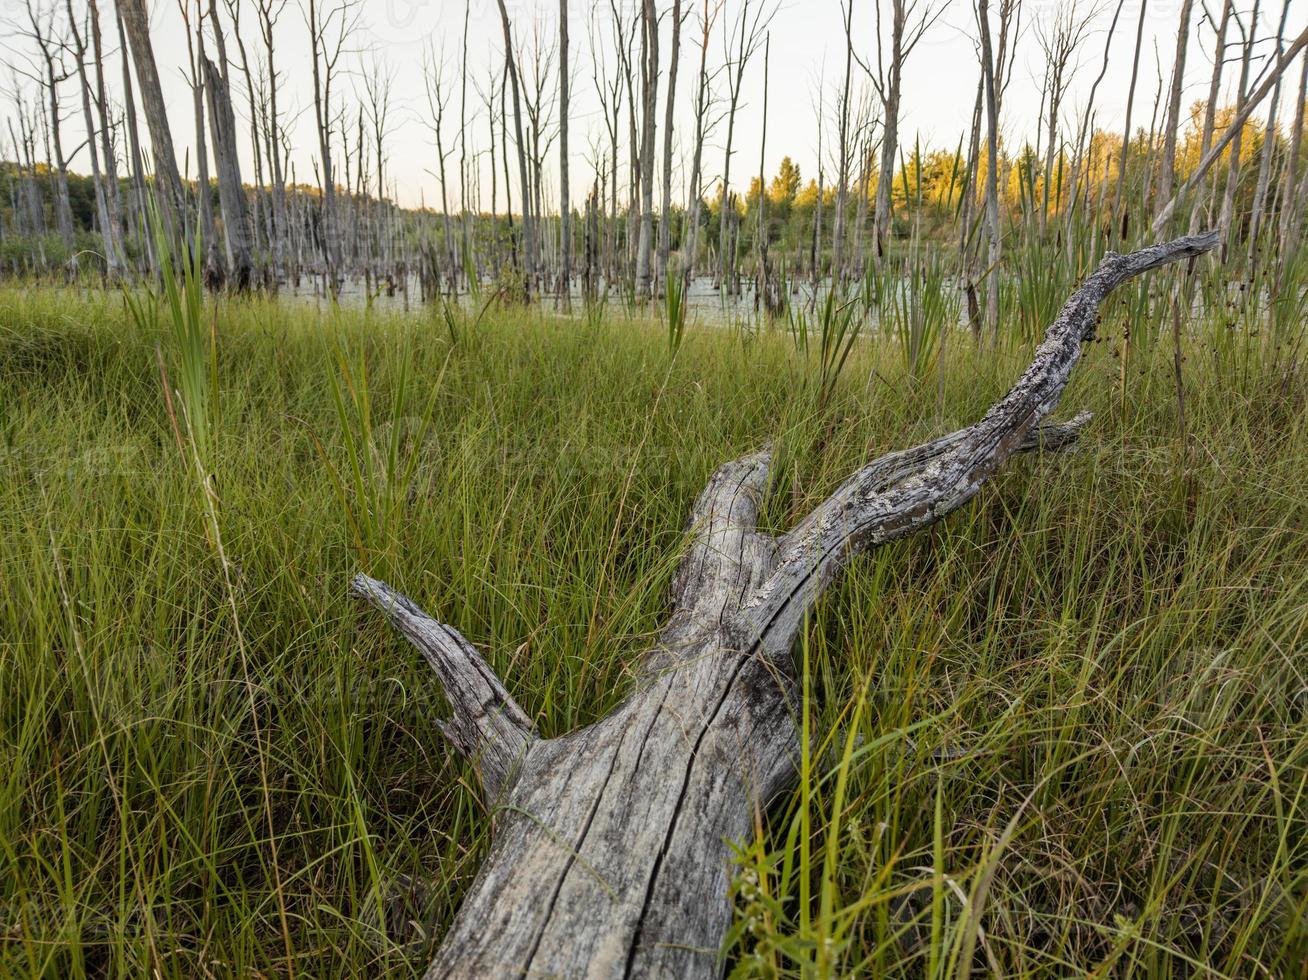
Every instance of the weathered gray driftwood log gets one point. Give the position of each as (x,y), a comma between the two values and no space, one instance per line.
(610,856)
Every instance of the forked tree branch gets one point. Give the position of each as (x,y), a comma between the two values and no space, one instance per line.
(886,471)
(725,543)
(486,724)
(726,559)
(741,589)
(612,856)
(903,493)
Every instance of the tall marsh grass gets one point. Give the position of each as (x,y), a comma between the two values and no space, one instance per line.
(1061,735)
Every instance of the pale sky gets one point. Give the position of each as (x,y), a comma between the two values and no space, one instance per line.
(807,48)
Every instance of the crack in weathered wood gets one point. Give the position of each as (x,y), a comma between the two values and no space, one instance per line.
(611,855)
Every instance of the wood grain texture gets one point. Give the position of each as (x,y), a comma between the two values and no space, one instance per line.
(611,856)
(487,725)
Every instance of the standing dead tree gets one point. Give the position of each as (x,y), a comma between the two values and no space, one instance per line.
(611,851)
(1060,37)
(260,213)
(565,201)
(665,216)
(996,70)
(624,41)
(438,99)
(465,174)
(608,87)
(1167,162)
(1294,192)
(1084,155)
(135,22)
(106,210)
(990,87)
(842,146)
(279,226)
(329,26)
(231,190)
(528,229)
(1234,129)
(115,250)
(649,75)
(745,37)
(1235,157)
(215,270)
(703,99)
(909,21)
(1119,213)
(1269,147)
(377,97)
(539,102)
(1215,82)
(52,72)
(29,216)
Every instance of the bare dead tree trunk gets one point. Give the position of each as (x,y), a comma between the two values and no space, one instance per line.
(1236,131)
(608,88)
(1215,82)
(378,86)
(108,218)
(504,156)
(528,230)
(1120,219)
(1236,126)
(865,151)
(665,217)
(215,270)
(269,11)
(762,276)
(1059,41)
(908,23)
(52,63)
(745,35)
(1293,194)
(695,189)
(113,199)
(815,244)
(1268,149)
(438,99)
(624,37)
(260,211)
(565,205)
(465,218)
(135,20)
(135,158)
(231,191)
(966,251)
(30,190)
(1167,163)
(992,165)
(842,148)
(611,855)
(889,90)
(1085,156)
(328,31)
(538,105)
(488,100)
(1199,214)
(649,109)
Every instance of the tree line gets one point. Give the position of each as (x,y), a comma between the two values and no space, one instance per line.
(1231,160)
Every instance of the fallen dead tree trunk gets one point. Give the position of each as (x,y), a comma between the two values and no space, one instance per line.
(610,854)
